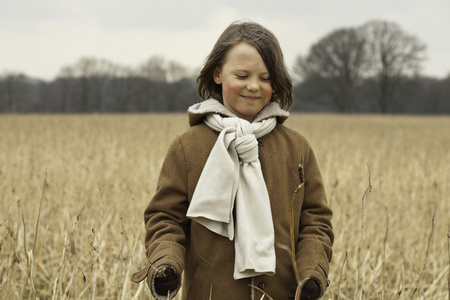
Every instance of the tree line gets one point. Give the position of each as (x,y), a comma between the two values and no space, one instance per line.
(371,68)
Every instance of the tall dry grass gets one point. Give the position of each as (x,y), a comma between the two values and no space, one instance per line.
(73,190)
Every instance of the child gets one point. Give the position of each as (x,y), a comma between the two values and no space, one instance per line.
(221,213)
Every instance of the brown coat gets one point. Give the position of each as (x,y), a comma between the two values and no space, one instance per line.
(206,258)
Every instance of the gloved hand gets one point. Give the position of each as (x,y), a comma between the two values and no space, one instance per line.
(311,290)
(166,279)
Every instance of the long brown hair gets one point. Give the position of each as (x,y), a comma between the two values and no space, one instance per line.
(268,47)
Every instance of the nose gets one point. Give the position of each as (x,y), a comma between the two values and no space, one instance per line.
(253,85)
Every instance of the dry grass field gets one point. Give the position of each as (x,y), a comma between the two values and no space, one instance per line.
(73,190)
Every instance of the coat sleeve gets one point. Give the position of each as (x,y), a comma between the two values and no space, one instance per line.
(315,239)
(166,224)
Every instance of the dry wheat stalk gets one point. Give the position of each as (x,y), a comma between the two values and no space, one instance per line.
(30,253)
(426,257)
(262,291)
(448,252)
(340,275)
(383,273)
(359,284)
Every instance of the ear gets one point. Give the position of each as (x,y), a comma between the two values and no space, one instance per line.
(217,76)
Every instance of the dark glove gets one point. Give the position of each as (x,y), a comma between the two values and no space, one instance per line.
(166,279)
(311,290)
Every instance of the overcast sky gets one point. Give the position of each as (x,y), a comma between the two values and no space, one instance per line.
(38,37)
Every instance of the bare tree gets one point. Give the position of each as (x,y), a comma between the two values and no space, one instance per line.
(123,88)
(154,69)
(99,72)
(176,71)
(87,83)
(13,89)
(392,53)
(334,65)
(65,85)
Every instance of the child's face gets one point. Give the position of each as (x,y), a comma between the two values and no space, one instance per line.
(246,86)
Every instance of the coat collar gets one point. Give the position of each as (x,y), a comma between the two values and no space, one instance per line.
(198,111)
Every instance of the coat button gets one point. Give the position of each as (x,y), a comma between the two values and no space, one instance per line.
(262,285)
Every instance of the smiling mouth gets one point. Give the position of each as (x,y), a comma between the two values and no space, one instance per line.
(251,98)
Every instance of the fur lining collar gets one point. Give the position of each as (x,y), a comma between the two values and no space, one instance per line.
(198,111)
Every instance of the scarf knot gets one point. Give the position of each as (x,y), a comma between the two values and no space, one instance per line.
(245,142)
(247,148)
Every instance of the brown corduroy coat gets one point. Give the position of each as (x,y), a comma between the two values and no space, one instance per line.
(206,258)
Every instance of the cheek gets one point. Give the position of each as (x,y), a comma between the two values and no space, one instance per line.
(232,87)
(267,90)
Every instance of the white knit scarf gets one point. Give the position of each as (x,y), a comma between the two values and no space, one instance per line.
(232,177)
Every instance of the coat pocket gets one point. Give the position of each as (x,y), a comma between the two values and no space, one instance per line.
(200,286)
